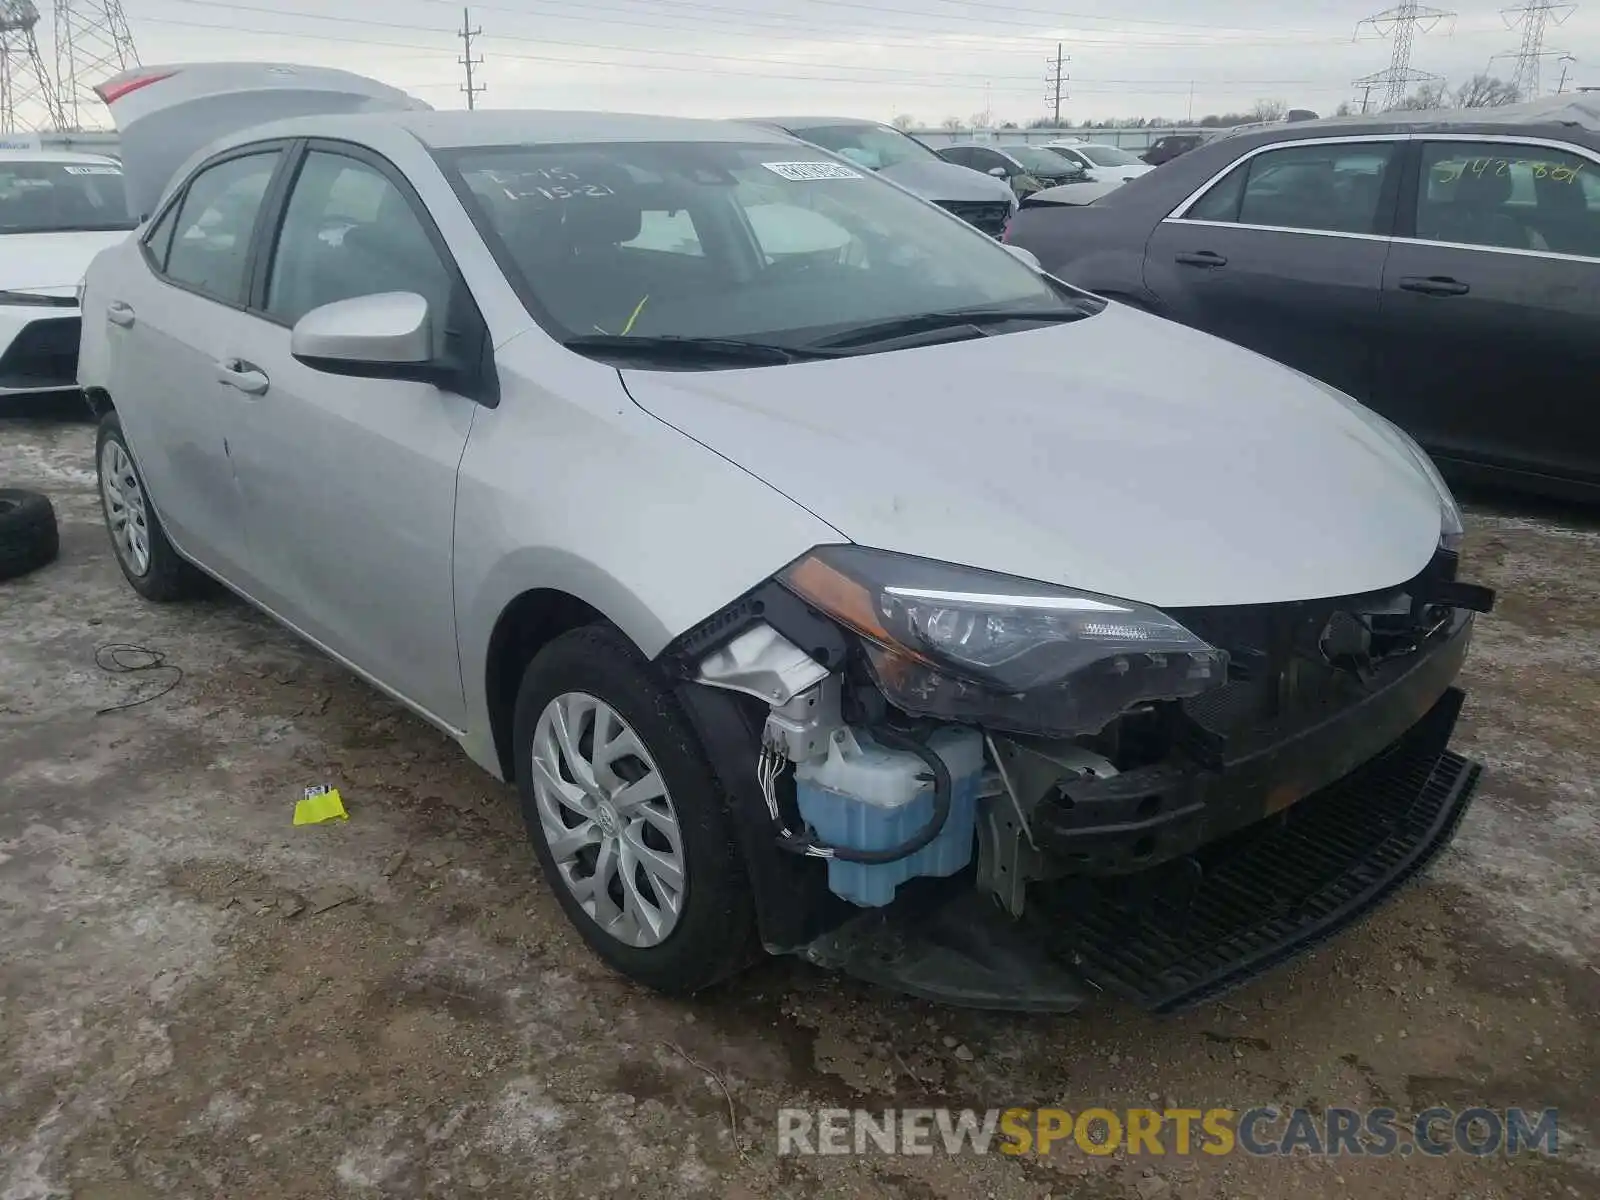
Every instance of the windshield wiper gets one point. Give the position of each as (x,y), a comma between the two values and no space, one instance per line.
(695,348)
(885,331)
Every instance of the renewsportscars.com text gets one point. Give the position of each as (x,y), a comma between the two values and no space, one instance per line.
(1172,1131)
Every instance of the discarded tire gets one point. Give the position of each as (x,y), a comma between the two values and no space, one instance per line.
(28,535)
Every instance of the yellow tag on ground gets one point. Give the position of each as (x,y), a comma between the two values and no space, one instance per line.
(320,804)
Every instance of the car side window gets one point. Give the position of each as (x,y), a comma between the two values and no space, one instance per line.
(1511,196)
(349,231)
(159,240)
(959,155)
(1329,187)
(211,240)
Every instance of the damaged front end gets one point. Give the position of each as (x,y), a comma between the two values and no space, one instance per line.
(997,793)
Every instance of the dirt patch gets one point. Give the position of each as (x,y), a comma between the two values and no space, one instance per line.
(177,1021)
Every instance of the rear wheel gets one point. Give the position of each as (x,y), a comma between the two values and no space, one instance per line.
(626,816)
(147,559)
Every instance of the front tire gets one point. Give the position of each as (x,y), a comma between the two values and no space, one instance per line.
(149,563)
(626,817)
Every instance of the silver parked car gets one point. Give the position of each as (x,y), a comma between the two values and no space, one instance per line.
(825,577)
(902,159)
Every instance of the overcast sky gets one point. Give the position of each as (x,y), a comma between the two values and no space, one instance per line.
(929,58)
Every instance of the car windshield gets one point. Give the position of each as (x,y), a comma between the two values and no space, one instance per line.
(1039,161)
(1108,156)
(763,242)
(872,146)
(49,197)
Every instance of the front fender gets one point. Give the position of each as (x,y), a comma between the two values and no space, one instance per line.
(568,486)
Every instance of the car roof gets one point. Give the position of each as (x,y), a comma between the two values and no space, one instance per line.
(1562,112)
(57,156)
(454,129)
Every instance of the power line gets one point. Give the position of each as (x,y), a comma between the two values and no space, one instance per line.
(421,52)
(1055,17)
(1055,80)
(919,74)
(1535,17)
(1400,23)
(802,27)
(466,60)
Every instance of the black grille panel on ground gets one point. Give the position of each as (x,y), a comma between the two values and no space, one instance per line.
(44,355)
(1211,922)
(990,217)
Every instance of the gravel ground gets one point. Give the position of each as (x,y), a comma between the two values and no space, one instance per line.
(177,1021)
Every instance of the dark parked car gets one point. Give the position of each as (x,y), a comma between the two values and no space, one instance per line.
(1165,149)
(1443,268)
(1027,169)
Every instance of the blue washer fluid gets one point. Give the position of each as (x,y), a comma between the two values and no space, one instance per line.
(865,796)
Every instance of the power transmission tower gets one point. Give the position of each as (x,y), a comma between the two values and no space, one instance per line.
(92,44)
(1400,23)
(27,97)
(1535,17)
(466,60)
(1055,81)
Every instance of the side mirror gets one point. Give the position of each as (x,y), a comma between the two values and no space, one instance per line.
(388,335)
(1026,257)
(998,172)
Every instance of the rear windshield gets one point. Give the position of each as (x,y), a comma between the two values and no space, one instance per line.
(872,146)
(1041,161)
(727,240)
(50,197)
(1108,156)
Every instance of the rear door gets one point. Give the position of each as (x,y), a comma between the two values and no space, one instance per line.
(349,484)
(1491,303)
(162,323)
(1284,253)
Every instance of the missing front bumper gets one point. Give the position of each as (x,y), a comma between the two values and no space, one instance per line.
(1195,927)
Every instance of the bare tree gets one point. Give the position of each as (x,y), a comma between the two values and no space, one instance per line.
(1268,110)
(1345,109)
(904,121)
(953,124)
(1430,95)
(1485,91)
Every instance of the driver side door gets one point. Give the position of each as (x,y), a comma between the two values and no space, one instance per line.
(349,483)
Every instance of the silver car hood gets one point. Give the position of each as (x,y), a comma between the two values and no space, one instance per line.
(942,181)
(1122,454)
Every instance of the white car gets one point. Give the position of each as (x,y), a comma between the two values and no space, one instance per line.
(1105,164)
(57,211)
(826,578)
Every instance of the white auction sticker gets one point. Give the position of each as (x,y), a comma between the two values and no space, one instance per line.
(805,172)
(94,170)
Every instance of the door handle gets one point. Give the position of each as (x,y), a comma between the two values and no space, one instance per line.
(119,313)
(1433,285)
(247,377)
(1201,258)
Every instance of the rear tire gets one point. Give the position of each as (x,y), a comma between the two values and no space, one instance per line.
(149,563)
(29,537)
(615,861)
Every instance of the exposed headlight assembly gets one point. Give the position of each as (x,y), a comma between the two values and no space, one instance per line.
(970,645)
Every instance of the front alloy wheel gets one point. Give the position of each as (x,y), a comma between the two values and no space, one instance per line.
(608,819)
(628,819)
